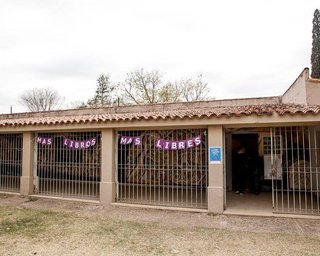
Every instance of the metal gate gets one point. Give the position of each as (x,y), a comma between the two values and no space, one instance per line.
(68,164)
(149,174)
(10,162)
(295,161)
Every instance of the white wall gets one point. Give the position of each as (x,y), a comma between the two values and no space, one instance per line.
(296,94)
(313,92)
(304,90)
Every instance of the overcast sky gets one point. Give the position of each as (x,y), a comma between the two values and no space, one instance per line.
(244,48)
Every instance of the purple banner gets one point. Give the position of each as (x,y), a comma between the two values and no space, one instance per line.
(179,144)
(79,144)
(126,140)
(44,141)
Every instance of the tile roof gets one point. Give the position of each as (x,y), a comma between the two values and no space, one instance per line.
(216,111)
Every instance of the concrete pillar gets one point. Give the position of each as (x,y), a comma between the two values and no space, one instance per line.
(216,179)
(107,184)
(26,181)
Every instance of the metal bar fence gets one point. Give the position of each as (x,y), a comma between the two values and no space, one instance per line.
(67,169)
(10,162)
(297,191)
(149,175)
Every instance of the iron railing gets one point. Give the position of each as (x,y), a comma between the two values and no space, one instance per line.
(63,169)
(296,188)
(10,162)
(150,175)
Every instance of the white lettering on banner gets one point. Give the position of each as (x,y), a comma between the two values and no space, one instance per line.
(44,141)
(123,140)
(181,144)
(159,143)
(197,140)
(126,140)
(174,145)
(69,143)
(190,143)
(79,144)
(167,144)
(137,141)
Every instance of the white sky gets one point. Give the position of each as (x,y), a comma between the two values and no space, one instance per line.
(243,48)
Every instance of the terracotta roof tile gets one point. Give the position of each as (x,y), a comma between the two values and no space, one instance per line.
(216,111)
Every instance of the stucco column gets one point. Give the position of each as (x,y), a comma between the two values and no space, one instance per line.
(26,181)
(107,184)
(215,188)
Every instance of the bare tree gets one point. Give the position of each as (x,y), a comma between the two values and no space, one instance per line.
(194,89)
(142,86)
(41,99)
(170,92)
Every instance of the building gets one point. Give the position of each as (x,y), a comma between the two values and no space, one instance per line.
(185,155)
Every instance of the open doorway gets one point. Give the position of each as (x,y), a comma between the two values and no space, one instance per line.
(277,170)
(246,163)
(247,189)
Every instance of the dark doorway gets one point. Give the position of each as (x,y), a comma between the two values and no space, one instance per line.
(246,149)
(245,160)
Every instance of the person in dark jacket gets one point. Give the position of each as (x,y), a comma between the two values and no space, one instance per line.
(241,169)
(256,171)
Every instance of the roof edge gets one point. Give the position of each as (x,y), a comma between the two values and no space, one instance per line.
(156,107)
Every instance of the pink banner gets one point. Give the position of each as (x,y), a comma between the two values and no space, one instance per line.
(179,144)
(126,140)
(44,141)
(79,144)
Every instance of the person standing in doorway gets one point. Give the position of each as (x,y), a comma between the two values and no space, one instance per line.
(241,169)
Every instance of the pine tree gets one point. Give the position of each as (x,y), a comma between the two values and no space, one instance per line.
(315,55)
(104,92)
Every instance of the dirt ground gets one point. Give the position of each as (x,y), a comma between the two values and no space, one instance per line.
(52,227)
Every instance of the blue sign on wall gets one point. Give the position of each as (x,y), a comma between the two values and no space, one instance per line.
(215,155)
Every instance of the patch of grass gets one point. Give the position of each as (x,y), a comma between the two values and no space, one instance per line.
(23,226)
(27,222)
(129,236)
(156,239)
(92,234)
